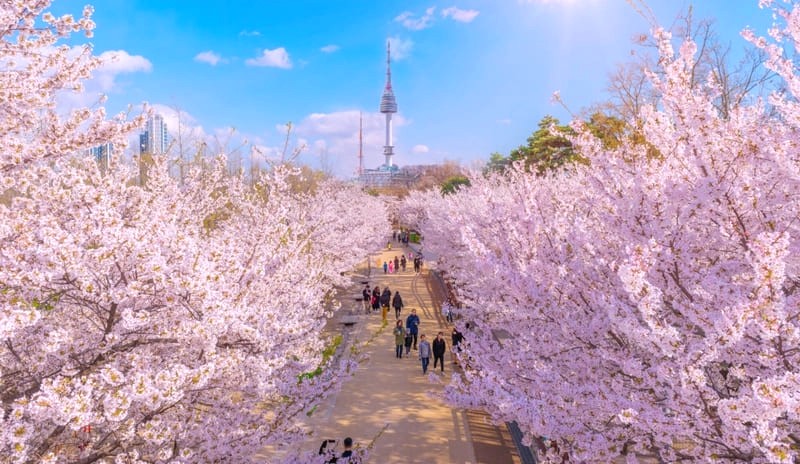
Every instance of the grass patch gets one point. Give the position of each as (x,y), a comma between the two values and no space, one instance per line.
(327,354)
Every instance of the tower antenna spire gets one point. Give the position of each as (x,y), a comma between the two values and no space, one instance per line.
(360,146)
(389,65)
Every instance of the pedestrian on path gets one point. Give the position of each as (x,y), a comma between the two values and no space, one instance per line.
(391,267)
(366,298)
(412,324)
(424,353)
(385,267)
(409,339)
(376,302)
(397,304)
(417,264)
(439,348)
(348,449)
(447,311)
(386,300)
(456,339)
(396,264)
(403,262)
(399,339)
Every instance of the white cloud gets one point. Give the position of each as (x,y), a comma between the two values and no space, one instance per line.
(104,78)
(277,58)
(329,48)
(247,33)
(410,21)
(401,48)
(462,16)
(420,149)
(504,121)
(120,61)
(208,57)
(336,135)
(182,125)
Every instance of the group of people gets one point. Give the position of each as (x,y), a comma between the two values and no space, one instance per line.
(401,236)
(405,339)
(398,264)
(376,299)
(332,457)
(395,265)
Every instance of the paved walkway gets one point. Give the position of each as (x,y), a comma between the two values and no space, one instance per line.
(390,398)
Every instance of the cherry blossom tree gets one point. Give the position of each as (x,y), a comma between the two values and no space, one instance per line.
(168,322)
(35,69)
(162,322)
(643,304)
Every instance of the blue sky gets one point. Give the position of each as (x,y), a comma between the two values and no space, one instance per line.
(471,77)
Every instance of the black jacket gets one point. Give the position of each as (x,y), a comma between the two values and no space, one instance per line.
(397,301)
(386,297)
(438,347)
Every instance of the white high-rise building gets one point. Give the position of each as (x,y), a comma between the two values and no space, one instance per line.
(388,107)
(154,139)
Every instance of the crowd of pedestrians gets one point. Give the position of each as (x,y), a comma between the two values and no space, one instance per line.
(399,263)
(406,335)
(406,331)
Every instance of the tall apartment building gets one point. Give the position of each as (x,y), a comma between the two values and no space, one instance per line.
(154,139)
(102,153)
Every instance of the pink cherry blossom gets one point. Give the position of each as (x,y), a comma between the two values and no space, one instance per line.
(640,305)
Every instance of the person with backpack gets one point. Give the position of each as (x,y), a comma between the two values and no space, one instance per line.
(397,304)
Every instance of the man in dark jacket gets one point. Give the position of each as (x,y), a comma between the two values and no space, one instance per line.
(386,300)
(397,304)
(412,324)
(438,350)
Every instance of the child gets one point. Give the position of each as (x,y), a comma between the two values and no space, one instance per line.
(409,339)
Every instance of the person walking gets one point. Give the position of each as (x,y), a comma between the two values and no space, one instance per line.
(385,267)
(409,339)
(376,302)
(412,324)
(397,304)
(386,300)
(396,264)
(403,263)
(439,348)
(366,298)
(456,339)
(447,311)
(391,267)
(424,353)
(399,339)
(416,264)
